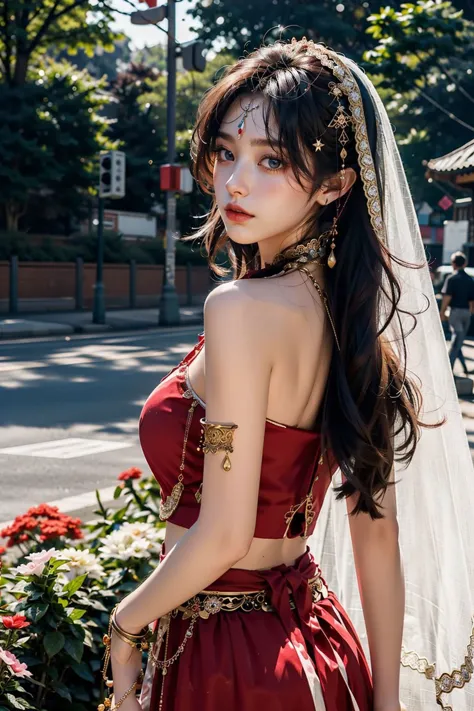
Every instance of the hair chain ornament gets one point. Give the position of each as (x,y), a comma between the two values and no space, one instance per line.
(241,124)
(216,436)
(350,88)
(340,121)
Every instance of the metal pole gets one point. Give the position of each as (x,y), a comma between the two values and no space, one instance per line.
(13,307)
(189,284)
(133,285)
(98,315)
(79,284)
(169,304)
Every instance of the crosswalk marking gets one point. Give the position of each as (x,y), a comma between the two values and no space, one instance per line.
(66,448)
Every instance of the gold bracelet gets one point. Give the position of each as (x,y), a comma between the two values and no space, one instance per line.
(107,705)
(123,632)
(217,436)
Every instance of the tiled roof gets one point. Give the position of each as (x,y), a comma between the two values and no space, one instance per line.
(459,161)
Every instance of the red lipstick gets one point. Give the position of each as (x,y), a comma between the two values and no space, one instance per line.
(236,213)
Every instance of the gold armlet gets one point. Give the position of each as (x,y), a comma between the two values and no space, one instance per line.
(216,436)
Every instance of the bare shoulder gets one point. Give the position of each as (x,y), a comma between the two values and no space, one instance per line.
(245,313)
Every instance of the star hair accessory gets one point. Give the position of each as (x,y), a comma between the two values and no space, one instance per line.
(340,121)
(241,124)
(350,88)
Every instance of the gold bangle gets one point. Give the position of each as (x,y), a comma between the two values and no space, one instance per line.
(124,639)
(217,436)
(123,632)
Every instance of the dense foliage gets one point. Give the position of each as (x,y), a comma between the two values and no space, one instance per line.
(60,579)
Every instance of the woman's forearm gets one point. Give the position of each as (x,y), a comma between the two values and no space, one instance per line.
(197,560)
(382,589)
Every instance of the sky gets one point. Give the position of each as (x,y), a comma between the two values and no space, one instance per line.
(142,36)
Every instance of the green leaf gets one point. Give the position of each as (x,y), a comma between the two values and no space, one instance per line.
(52,672)
(19,587)
(76,614)
(62,690)
(18,703)
(83,671)
(37,611)
(75,648)
(115,577)
(77,631)
(53,643)
(53,567)
(74,585)
(117,492)
(99,606)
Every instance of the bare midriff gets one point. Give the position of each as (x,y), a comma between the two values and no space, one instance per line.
(263,552)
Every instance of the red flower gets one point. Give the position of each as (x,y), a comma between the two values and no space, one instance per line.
(46,521)
(2,550)
(132,473)
(15,622)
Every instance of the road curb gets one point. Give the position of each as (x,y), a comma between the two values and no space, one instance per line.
(37,332)
(92,329)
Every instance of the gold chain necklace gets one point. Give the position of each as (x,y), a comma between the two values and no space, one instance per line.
(170,504)
(324,299)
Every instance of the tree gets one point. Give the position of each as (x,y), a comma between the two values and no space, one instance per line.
(139,134)
(243,26)
(190,87)
(31,28)
(422,64)
(51,133)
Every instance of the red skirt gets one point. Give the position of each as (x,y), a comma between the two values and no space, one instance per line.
(301,654)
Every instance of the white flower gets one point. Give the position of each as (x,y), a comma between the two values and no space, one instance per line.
(132,540)
(37,562)
(79,562)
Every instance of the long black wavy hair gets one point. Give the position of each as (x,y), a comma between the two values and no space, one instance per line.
(369,397)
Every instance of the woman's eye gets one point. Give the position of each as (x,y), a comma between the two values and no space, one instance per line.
(272,168)
(219,150)
(274,160)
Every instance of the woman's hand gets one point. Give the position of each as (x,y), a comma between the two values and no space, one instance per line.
(126,667)
(400,706)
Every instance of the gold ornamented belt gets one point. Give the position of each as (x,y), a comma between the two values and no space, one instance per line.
(209,602)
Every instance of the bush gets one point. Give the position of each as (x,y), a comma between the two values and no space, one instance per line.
(116,249)
(57,597)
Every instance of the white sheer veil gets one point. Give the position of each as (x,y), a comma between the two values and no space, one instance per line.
(435,492)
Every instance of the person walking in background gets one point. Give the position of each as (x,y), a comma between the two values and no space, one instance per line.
(458,293)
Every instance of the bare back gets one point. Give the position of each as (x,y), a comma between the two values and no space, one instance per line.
(298,335)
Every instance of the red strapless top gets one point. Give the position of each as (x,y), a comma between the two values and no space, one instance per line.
(293,480)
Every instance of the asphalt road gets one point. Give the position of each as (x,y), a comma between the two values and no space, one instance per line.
(71,405)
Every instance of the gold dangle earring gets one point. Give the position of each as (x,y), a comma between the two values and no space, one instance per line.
(340,121)
(332,237)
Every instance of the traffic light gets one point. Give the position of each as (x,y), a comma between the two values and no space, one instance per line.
(191,52)
(112,174)
(152,16)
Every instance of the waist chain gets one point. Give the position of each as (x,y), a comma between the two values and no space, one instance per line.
(210,602)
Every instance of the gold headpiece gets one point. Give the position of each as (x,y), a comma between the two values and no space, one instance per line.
(348,85)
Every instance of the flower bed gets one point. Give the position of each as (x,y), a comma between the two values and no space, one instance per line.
(58,589)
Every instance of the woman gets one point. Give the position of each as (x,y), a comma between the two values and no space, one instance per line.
(308,380)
